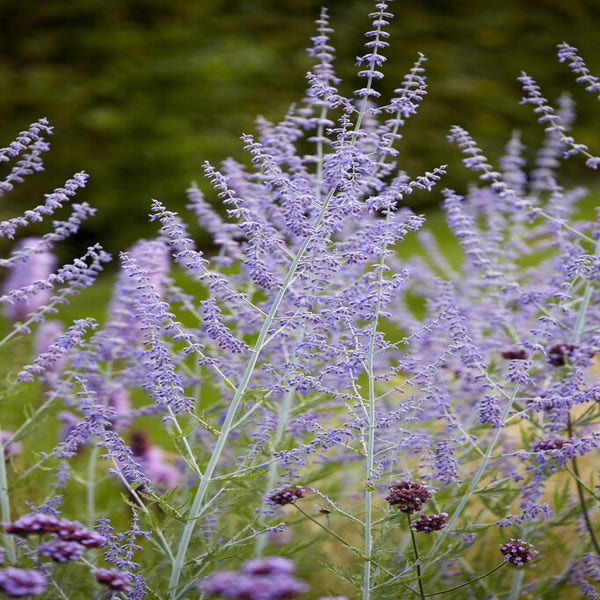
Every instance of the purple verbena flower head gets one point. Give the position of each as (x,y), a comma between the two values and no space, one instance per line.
(61,550)
(82,535)
(260,579)
(151,458)
(429,523)
(286,495)
(32,523)
(559,354)
(514,354)
(408,496)
(517,552)
(19,583)
(112,578)
(268,565)
(551,443)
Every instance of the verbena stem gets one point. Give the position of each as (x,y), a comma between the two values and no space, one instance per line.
(416,551)
(5,507)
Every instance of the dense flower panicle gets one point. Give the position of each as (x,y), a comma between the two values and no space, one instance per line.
(287,495)
(408,496)
(429,523)
(517,552)
(18,583)
(174,231)
(585,572)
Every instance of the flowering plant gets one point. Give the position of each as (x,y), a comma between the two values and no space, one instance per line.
(307,393)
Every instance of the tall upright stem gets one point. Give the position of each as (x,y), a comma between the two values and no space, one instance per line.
(223,436)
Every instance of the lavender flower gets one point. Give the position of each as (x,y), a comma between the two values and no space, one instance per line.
(568,53)
(19,583)
(31,265)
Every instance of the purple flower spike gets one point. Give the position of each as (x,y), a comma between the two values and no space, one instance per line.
(31,267)
(19,583)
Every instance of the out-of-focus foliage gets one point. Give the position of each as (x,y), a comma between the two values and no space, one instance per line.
(142,91)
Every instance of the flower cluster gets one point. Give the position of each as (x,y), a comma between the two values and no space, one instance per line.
(113,579)
(429,523)
(286,495)
(62,530)
(408,496)
(19,583)
(518,552)
(267,578)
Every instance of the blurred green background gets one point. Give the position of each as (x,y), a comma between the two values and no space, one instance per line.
(141,92)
